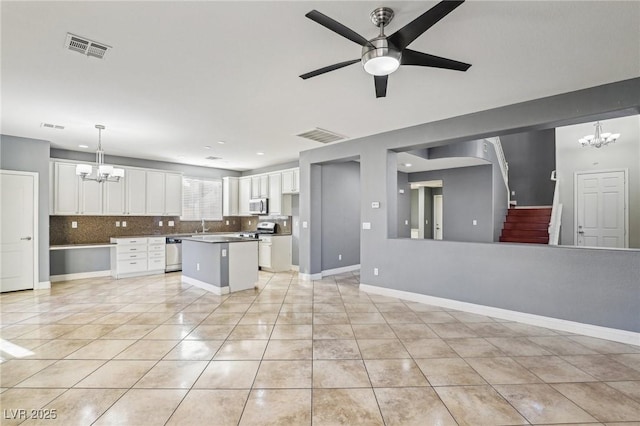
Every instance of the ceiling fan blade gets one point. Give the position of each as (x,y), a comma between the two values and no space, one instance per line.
(381,85)
(328,68)
(411,57)
(405,35)
(337,27)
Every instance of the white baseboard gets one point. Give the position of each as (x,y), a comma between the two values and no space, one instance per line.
(341,270)
(43,285)
(78,276)
(310,277)
(614,334)
(205,286)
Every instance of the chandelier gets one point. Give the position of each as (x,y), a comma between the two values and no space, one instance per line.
(600,139)
(104,173)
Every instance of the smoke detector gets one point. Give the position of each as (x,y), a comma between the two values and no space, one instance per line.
(86,46)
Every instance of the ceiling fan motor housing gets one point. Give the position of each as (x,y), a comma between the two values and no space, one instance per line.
(381,57)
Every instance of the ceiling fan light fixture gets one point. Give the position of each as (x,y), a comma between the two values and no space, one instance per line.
(384,59)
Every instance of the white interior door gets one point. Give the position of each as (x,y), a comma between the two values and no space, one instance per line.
(600,209)
(437,217)
(18,209)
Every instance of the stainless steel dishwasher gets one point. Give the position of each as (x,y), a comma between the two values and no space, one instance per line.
(173,253)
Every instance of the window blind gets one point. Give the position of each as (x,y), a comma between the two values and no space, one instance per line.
(201,199)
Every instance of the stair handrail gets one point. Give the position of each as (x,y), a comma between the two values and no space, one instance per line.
(556,213)
(504,165)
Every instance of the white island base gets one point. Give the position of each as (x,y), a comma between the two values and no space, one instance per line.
(220,264)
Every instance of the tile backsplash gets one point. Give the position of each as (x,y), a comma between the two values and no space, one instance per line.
(99,229)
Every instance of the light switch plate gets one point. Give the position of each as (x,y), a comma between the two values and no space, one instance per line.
(406,222)
(305,224)
(401,191)
(366,225)
(224,252)
(124,224)
(475,222)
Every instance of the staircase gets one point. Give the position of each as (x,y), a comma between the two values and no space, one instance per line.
(527,225)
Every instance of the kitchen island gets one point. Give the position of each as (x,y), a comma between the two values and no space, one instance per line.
(220,264)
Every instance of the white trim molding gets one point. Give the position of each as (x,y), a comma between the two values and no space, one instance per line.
(42,285)
(341,270)
(310,277)
(607,333)
(206,286)
(78,276)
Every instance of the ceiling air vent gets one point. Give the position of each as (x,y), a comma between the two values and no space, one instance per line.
(322,136)
(85,46)
(52,126)
(211,157)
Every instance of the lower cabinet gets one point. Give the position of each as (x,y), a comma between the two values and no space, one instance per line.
(274,253)
(137,256)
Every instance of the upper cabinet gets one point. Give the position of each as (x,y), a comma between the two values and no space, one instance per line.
(260,186)
(244,195)
(275,193)
(230,196)
(140,193)
(291,181)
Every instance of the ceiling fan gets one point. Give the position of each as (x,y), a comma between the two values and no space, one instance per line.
(384,54)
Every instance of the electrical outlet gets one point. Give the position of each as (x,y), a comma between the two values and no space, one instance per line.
(401,191)
(171,223)
(305,224)
(426,221)
(249,222)
(74,224)
(227,222)
(475,222)
(224,252)
(117,224)
(197,266)
(406,222)
(124,224)
(160,223)
(366,225)
(375,271)
(339,257)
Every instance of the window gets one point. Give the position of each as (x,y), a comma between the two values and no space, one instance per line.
(201,199)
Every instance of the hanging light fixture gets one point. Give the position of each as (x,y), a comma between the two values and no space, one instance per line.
(600,139)
(104,173)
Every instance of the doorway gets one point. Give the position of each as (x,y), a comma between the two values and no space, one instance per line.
(18,230)
(437,217)
(423,209)
(601,216)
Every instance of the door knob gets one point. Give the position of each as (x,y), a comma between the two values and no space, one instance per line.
(26,238)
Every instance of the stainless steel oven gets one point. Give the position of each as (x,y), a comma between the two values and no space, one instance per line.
(173,252)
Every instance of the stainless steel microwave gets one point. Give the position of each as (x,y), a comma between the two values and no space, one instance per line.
(259,206)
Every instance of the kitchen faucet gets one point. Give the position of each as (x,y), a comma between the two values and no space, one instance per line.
(203,228)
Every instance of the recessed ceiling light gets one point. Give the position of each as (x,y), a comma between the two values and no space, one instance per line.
(221,142)
(83,146)
(260,153)
(207,147)
(407,164)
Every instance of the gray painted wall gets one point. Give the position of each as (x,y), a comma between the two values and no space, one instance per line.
(340,214)
(404,206)
(532,158)
(598,287)
(76,261)
(194,171)
(32,155)
(572,157)
(466,195)
(214,269)
(295,230)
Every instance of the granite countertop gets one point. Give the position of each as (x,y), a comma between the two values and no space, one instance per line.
(80,246)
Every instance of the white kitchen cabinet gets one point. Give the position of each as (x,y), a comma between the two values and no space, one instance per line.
(275,193)
(260,186)
(173,194)
(66,190)
(137,256)
(155,193)
(244,195)
(135,191)
(164,194)
(90,201)
(274,253)
(229,196)
(291,181)
(113,197)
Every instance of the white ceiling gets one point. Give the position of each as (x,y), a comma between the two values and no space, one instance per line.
(419,164)
(184,75)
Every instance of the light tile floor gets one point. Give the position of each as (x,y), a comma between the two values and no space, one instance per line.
(154,351)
